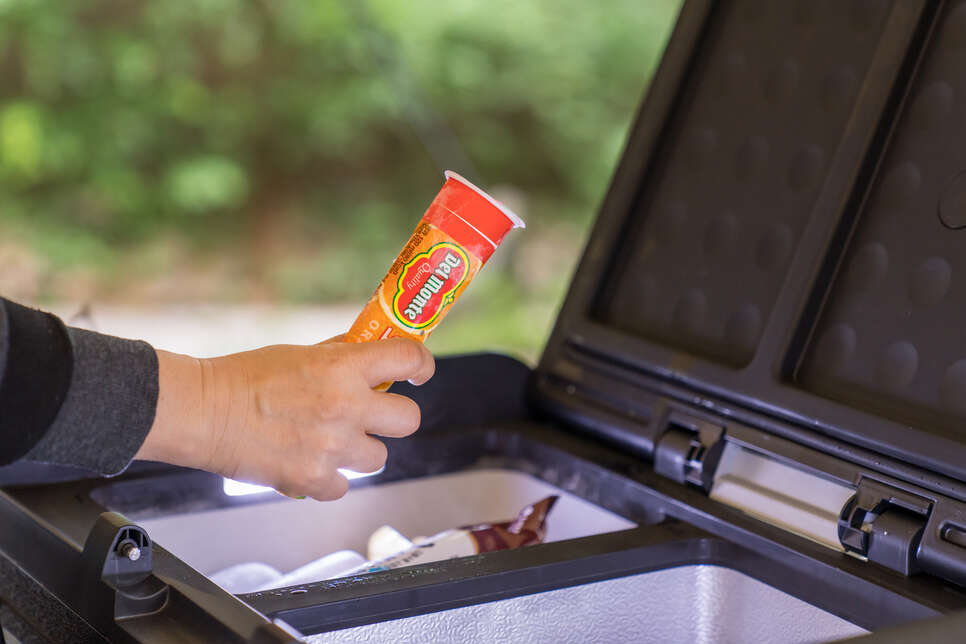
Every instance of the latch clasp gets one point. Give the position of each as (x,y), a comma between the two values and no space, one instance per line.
(117,560)
(689,450)
(885,525)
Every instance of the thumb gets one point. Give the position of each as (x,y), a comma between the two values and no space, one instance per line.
(394,359)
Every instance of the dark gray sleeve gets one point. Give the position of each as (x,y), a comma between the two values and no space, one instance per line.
(109,406)
(72,397)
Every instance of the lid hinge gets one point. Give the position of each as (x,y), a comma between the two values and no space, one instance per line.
(689,450)
(885,525)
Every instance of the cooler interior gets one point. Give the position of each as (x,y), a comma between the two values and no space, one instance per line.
(698,603)
(288,533)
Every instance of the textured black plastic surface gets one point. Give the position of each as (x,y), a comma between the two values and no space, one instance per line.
(716,276)
(892,337)
(766,103)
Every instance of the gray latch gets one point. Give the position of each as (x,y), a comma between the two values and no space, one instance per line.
(885,525)
(117,559)
(689,450)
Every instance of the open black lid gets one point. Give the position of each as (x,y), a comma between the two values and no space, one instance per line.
(785,234)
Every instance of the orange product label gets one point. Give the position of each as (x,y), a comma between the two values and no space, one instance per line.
(428,276)
(427,284)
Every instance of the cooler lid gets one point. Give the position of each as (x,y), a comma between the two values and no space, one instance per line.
(785,233)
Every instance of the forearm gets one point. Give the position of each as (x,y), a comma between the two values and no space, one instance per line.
(181,417)
(201,405)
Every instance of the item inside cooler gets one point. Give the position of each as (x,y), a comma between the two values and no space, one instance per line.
(286,533)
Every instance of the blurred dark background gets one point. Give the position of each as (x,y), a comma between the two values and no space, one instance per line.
(171,162)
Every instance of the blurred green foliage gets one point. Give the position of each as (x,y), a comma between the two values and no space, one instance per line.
(302,139)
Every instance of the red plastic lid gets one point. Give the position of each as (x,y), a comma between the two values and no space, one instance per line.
(470,216)
(490,217)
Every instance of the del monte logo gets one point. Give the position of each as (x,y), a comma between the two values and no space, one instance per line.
(427,284)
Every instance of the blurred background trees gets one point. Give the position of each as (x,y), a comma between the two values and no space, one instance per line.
(280,151)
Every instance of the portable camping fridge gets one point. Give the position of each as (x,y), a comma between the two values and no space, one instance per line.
(753,403)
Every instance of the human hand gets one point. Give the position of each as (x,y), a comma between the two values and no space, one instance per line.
(287,416)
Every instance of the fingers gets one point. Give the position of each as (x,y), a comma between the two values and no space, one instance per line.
(322,479)
(306,473)
(394,359)
(334,339)
(391,415)
(367,456)
(330,488)
(317,479)
(314,412)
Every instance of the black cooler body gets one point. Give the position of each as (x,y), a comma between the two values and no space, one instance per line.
(753,402)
